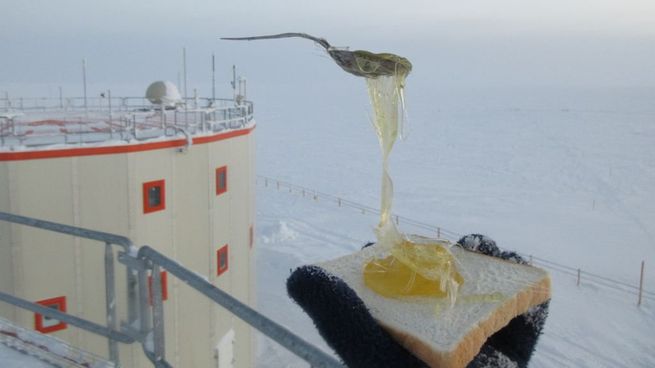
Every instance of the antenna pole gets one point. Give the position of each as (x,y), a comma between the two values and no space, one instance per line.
(109,104)
(213,79)
(84,81)
(234,82)
(184,71)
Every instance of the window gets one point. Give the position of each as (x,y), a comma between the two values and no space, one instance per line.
(164,286)
(46,324)
(222,260)
(154,196)
(221,180)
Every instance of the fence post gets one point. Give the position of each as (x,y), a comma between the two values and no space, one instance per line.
(438,233)
(578,282)
(339,201)
(641,283)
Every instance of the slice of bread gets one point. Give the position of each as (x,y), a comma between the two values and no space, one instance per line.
(493,293)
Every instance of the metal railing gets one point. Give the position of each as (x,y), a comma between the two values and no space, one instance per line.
(45,121)
(48,348)
(149,311)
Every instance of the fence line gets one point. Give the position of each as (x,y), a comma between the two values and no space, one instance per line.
(576,272)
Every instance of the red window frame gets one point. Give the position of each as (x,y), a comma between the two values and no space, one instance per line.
(163,276)
(220,189)
(147,208)
(58,303)
(222,252)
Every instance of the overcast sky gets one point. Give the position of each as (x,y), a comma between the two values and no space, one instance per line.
(451,43)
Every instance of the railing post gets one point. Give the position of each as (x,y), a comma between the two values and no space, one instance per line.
(110,301)
(158,338)
(132,296)
(144,309)
(641,283)
(578,282)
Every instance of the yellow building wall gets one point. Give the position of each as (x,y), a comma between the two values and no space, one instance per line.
(7,279)
(105,193)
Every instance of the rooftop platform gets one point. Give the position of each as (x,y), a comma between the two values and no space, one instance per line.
(43,124)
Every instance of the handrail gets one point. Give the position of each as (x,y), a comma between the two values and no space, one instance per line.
(116,103)
(286,338)
(67,229)
(50,121)
(142,261)
(110,288)
(67,318)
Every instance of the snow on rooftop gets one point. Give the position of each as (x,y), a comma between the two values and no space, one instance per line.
(48,125)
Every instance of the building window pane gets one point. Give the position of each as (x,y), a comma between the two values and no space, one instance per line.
(46,324)
(221,180)
(154,196)
(222,260)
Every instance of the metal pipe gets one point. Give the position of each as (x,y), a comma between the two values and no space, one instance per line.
(67,318)
(292,342)
(144,297)
(110,301)
(158,336)
(67,229)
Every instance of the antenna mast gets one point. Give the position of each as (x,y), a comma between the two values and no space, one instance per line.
(213,78)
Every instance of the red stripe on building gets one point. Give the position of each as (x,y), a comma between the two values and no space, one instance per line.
(110,150)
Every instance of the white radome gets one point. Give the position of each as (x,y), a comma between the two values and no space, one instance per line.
(163,93)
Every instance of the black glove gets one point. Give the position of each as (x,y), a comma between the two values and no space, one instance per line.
(345,323)
(516,341)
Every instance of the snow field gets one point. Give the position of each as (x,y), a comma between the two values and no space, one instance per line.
(572,186)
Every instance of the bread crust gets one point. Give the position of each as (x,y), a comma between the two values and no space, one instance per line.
(471,344)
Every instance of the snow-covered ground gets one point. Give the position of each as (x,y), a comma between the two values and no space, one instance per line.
(565,182)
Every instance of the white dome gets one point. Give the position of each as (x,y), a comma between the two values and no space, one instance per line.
(163,93)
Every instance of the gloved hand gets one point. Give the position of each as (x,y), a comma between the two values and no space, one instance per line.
(345,323)
(515,342)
